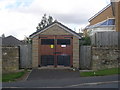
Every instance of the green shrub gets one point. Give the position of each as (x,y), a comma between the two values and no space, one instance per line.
(85,41)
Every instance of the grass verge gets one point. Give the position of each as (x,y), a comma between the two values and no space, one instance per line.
(0,79)
(104,72)
(12,76)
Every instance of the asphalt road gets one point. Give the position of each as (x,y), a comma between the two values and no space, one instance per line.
(63,79)
(108,85)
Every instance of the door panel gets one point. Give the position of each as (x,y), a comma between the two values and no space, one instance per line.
(63,60)
(47,60)
(67,60)
(64,46)
(46,49)
(60,60)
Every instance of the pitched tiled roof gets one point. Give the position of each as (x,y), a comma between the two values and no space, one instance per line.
(55,22)
(11,41)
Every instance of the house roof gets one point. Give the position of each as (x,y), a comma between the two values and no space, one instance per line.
(52,24)
(11,41)
(99,12)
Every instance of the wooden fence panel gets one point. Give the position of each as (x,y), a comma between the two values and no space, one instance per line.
(104,39)
(25,56)
(85,57)
(93,40)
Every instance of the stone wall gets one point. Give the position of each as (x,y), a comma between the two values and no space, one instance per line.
(105,57)
(10,59)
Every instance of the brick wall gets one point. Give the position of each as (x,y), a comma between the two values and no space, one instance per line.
(10,59)
(105,57)
(117,15)
(55,30)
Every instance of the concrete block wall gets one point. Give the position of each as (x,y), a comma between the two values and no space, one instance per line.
(55,30)
(35,52)
(76,52)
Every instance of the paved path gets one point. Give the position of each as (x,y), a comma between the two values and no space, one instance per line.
(60,79)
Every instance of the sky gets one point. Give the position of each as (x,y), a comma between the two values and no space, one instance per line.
(20,18)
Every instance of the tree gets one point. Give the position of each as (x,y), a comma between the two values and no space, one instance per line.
(3,35)
(27,40)
(44,22)
(50,20)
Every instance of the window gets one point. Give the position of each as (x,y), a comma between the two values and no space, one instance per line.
(47,41)
(63,41)
(111,22)
(104,23)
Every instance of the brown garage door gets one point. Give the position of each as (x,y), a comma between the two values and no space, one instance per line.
(55,50)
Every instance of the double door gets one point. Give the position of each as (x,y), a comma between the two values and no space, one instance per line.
(55,50)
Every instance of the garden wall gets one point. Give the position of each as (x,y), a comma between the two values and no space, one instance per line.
(10,59)
(105,57)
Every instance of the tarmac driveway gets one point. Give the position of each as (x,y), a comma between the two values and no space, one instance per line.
(39,74)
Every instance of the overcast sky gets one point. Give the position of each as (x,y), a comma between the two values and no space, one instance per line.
(20,17)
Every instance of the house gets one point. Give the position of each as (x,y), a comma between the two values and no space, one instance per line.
(104,20)
(11,41)
(55,45)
